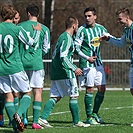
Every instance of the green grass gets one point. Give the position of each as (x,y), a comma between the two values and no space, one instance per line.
(116,111)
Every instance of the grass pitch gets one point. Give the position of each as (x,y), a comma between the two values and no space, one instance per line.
(116,110)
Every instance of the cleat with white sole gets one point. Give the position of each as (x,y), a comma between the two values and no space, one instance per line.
(44,123)
(81,124)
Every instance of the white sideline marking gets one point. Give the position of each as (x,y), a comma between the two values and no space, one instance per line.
(58,113)
(117,108)
(82,88)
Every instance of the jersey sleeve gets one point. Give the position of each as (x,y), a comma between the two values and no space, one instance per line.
(26,38)
(120,42)
(66,62)
(46,42)
(78,42)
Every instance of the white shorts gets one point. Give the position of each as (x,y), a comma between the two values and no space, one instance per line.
(36,78)
(65,87)
(17,82)
(131,77)
(92,76)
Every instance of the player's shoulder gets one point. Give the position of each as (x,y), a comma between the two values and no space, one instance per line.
(44,26)
(82,28)
(22,23)
(99,25)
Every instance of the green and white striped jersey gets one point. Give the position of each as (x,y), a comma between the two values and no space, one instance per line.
(126,39)
(87,42)
(62,66)
(10,35)
(32,56)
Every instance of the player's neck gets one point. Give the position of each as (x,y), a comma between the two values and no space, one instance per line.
(70,31)
(32,18)
(129,23)
(8,20)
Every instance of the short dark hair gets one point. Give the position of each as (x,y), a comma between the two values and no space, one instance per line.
(92,9)
(123,10)
(7,12)
(70,21)
(33,10)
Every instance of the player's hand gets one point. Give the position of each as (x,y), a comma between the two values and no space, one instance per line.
(106,38)
(37,27)
(92,59)
(78,72)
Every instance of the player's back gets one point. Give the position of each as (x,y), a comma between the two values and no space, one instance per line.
(10,62)
(59,66)
(32,56)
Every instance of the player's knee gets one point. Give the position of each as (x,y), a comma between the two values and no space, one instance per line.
(57,99)
(89,89)
(131,91)
(76,97)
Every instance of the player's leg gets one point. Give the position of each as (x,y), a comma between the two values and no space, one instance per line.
(16,102)
(72,91)
(21,84)
(131,80)
(6,89)
(87,80)
(25,114)
(131,91)
(2,106)
(10,109)
(73,102)
(36,83)
(131,83)
(99,98)
(48,107)
(37,105)
(100,83)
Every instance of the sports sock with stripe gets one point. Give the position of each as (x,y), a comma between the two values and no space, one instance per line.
(10,109)
(73,105)
(36,111)
(48,107)
(24,104)
(88,103)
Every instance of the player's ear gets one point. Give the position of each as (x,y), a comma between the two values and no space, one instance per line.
(73,26)
(28,14)
(95,16)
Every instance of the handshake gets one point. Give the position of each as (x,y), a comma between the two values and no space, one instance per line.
(105,37)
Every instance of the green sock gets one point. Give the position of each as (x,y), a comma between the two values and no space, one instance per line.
(16,100)
(24,104)
(73,105)
(36,111)
(88,103)
(10,109)
(97,102)
(48,108)
(25,114)
(2,104)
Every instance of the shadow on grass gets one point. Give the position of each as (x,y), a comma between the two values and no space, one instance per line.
(6,131)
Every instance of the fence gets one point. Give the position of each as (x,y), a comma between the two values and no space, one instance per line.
(116,73)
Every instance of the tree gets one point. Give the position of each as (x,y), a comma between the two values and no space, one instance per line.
(47,19)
